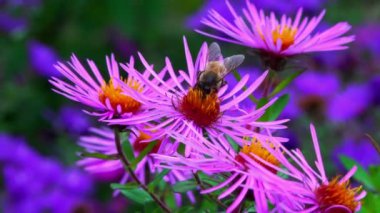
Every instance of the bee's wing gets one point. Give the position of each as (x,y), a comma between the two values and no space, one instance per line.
(214,52)
(232,62)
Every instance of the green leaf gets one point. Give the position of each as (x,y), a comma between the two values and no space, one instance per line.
(233,143)
(208,180)
(133,192)
(251,208)
(283,84)
(184,186)
(126,145)
(208,206)
(170,200)
(98,156)
(275,109)
(261,102)
(360,175)
(371,203)
(152,207)
(118,186)
(143,153)
(374,172)
(137,195)
(186,209)
(157,179)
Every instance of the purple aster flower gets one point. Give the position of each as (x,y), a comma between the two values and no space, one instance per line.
(306,189)
(42,58)
(282,6)
(290,6)
(9,24)
(276,38)
(21,3)
(353,101)
(26,193)
(123,46)
(313,83)
(321,95)
(216,157)
(102,141)
(73,120)
(355,149)
(105,97)
(375,86)
(194,21)
(20,153)
(367,37)
(312,92)
(183,107)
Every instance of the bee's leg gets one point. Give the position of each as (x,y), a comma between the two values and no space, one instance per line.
(199,74)
(223,82)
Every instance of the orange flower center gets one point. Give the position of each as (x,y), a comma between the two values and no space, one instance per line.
(335,193)
(116,97)
(203,109)
(287,36)
(257,149)
(141,143)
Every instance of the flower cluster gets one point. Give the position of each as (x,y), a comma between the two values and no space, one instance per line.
(193,121)
(54,189)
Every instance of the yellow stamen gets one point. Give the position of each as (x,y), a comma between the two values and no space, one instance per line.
(203,109)
(116,97)
(335,193)
(256,148)
(287,36)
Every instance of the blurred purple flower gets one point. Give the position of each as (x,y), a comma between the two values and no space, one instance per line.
(10,24)
(20,3)
(73,180)
(34,183)
(73,120)
(194,21)
(375,88)
(360,150)
(282,6)
(311,92)
(321,95)
(313,83)
(367,37)
(353,101)
(290,6)
(42,58)
(121,44)
(20,154)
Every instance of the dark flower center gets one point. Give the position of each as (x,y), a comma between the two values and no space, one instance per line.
(335,193)
(203,109)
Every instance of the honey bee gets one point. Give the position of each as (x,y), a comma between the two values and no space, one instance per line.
(212,78)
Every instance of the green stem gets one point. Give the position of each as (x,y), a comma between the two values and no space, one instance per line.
(268,83)
(200,184)
(127,165)
(374,143)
